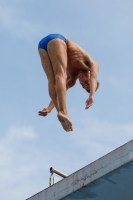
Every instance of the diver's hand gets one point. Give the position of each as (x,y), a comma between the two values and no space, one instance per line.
(89,102)
(44,112)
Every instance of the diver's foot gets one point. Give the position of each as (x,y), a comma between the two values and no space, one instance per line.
(65,121)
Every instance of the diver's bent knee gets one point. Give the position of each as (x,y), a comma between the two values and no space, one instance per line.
(51,81)
(60,77)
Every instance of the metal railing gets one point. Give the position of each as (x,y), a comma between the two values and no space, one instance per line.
(53,171)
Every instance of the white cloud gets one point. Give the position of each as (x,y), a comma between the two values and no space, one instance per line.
(24,163)
(22,133)
(13,20)
(96,138)
(19,161)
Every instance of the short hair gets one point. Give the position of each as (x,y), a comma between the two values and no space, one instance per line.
(96,87)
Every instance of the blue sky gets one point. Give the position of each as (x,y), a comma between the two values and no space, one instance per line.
(29,144)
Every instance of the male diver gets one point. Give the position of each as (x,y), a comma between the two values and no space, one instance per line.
(60,55)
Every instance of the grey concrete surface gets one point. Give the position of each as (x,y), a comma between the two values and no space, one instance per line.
(108,178)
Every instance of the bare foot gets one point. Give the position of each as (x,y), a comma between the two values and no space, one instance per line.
(44,112)
(65,122)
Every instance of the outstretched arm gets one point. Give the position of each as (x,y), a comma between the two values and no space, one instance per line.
(47,110)
(93,84)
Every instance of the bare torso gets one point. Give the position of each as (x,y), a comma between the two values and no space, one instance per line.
(78,59)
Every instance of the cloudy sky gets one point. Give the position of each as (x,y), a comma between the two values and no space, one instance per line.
(29,144)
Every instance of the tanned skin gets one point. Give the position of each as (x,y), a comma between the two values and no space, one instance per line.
(59,58)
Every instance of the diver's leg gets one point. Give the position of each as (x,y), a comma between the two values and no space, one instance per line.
(50,76)
(57,52)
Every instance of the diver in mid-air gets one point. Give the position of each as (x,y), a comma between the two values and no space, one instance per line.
(60,57)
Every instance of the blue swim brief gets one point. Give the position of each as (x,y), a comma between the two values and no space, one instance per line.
(44,42)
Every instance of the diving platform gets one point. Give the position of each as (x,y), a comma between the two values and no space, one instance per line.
(108,178)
